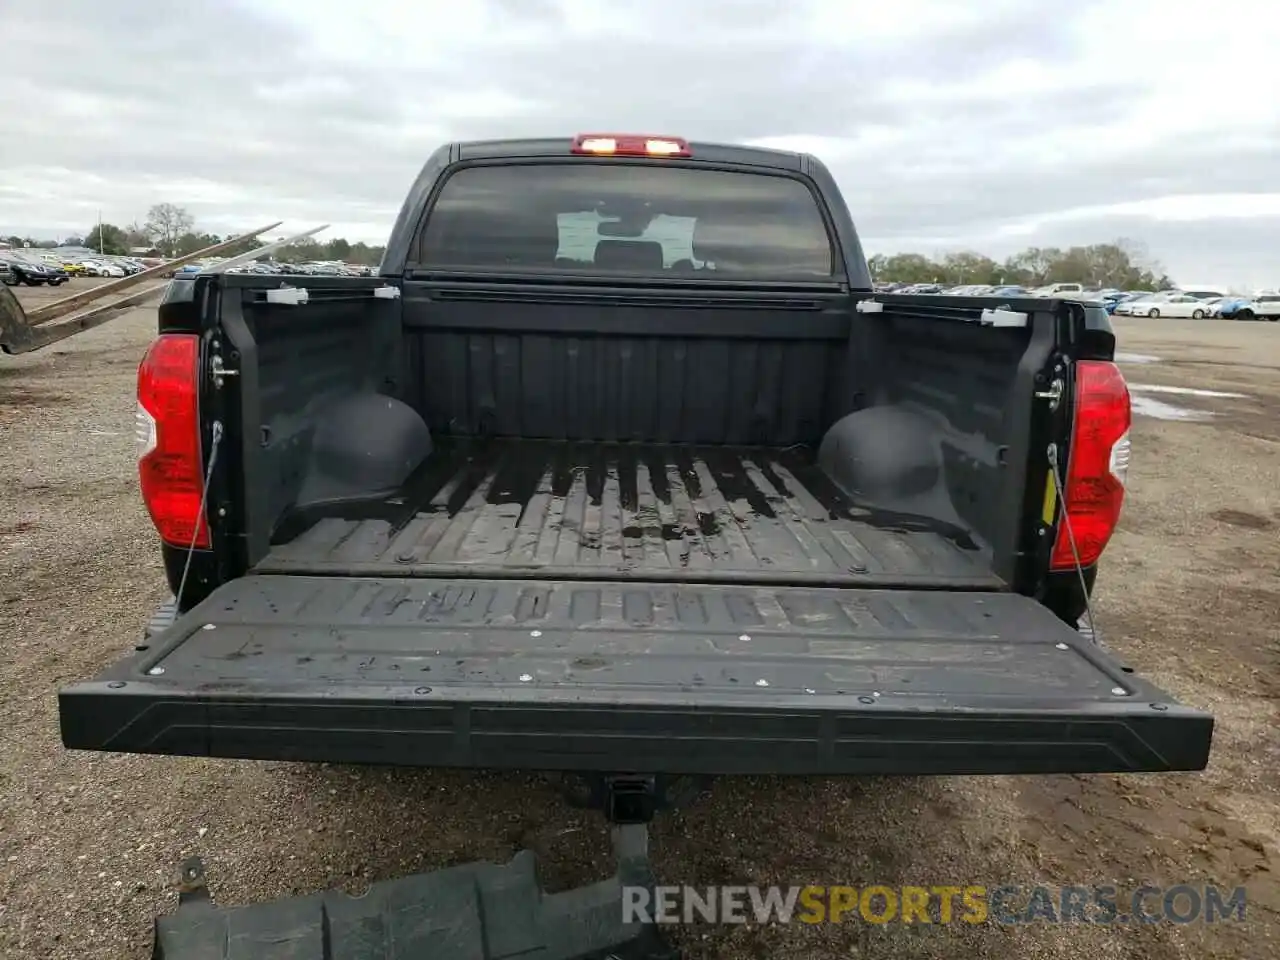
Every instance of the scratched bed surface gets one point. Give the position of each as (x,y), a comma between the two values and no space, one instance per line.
(600,509)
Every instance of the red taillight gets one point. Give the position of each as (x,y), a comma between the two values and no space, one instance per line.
(1098,464)
(169,454)
(630,145)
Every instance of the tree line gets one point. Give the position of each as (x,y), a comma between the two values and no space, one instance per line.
(1122,265)
(170,231)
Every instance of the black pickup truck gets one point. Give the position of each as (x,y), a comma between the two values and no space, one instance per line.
(619,469)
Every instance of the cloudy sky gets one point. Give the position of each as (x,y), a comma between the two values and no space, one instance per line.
(990,125)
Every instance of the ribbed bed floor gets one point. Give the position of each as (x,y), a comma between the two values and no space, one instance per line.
(642,511)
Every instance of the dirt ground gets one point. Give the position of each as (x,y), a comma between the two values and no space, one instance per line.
(1189,595)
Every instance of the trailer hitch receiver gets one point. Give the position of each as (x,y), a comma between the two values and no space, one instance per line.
(630,800)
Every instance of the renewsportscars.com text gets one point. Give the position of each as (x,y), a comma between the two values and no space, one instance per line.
(971,904)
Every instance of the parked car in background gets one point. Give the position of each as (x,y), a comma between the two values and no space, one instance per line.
(1124,307)
(260,269)
(1058,290)
(1204,292)
(34,272)
(1109,299)
(1226,307)
(1131,295)
(1181,305)
(974,290)
(101,268)
(61,263)
(1264,307)
(129,266)
(6,275)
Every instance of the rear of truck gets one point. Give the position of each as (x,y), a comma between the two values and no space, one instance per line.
(619,468)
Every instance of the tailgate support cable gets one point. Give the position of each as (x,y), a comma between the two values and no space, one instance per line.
(214,440)
(1071,538)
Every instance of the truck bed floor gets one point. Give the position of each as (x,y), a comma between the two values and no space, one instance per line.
(629,511)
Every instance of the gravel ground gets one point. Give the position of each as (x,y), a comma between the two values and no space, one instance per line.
(1189,595)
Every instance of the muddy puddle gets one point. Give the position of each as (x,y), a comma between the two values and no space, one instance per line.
(1184,391)
(1145,405)
(1159,410)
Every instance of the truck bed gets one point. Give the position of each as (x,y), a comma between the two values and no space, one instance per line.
(671,513)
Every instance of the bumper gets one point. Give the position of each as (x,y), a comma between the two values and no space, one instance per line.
(589,677)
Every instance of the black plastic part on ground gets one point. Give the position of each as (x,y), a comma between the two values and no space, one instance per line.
(477,911)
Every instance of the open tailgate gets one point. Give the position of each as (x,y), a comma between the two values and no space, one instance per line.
(612,677)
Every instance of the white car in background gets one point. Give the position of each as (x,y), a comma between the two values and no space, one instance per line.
(1058,290)
(1180,305)
(1203,291)
(101,268)
(1264,307)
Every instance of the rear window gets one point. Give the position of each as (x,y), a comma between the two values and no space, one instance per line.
(630,219)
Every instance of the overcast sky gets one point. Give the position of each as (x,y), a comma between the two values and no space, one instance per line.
(991,124)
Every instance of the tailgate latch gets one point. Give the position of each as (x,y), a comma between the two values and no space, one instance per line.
(218,371)
(1053,394)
